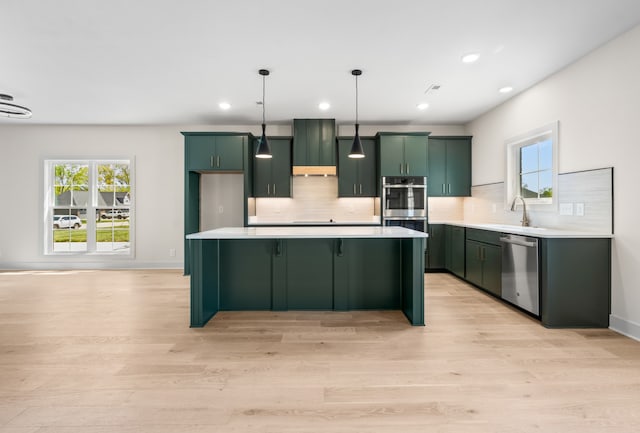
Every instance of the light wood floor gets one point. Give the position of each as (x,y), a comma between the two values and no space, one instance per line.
(111,351)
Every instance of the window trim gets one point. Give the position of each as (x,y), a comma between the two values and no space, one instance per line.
(512,166)
(91,207)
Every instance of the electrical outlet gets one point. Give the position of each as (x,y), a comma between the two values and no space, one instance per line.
(172,252)
(566,208)
(580,209)
(220,209)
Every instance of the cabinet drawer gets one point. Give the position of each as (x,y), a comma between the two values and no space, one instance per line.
(485,236)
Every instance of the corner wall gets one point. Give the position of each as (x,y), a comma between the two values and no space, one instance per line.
(596,102)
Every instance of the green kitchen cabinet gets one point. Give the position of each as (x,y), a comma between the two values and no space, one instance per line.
(435,256)
(483,256)
(314,142)
(213,152)
(455,249)
(449,167)
(272,176)
(357,177)
(309,274)
(403,154)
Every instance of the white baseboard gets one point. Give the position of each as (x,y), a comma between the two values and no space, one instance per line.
(89,265)
(624,327)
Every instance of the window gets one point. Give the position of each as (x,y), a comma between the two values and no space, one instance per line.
(532,166)
(88,207)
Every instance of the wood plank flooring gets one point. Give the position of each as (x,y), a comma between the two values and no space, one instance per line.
(111,351)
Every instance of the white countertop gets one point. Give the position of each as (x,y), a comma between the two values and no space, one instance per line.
(538,232)
(305,232)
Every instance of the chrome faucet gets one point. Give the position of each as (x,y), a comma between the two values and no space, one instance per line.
(525,220)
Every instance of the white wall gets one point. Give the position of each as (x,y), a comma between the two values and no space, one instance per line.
(596,101)
(159,177)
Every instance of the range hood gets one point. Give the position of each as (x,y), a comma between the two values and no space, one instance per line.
(314,170)
(314,147)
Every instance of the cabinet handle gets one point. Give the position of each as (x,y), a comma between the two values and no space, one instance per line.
(268,189)
(278,247)
(340,247)
(354,189)
(218,161)
(360,189)
(401,168)
(443,192)
(484,254)
(449,187)
(211,161)
(407,168)
(274,189)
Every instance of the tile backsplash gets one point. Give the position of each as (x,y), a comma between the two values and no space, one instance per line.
(592,190)
(315,199)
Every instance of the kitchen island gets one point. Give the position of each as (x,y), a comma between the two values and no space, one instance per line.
(307,268)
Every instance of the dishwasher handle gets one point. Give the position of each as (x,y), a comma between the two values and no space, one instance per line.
(518,242)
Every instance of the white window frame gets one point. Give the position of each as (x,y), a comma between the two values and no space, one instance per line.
(92,206)
(512,176)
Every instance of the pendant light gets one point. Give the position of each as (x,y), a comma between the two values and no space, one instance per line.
(264,150)
(356,148)
(12,110)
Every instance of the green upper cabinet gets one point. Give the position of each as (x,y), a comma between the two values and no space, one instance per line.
(449,167)
(403,154)
(314,142)
(272,176)
(357,176)
(215,152)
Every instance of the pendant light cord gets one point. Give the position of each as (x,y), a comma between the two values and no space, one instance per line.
(263,91)
(356,99)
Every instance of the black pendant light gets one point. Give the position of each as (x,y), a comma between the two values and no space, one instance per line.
(356,148)
(264,150)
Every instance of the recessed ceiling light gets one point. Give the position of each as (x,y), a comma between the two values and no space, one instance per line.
(224,105)
(505,89)
(423,106)
(470,58)
(324,106)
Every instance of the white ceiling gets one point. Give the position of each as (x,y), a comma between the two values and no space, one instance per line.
(173,62)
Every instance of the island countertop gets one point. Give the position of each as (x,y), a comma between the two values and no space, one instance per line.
(305,232)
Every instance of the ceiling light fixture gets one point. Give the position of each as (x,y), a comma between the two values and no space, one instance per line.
(423,106)
(356,148)
(224,105)
(505,89)
(12,110)
(470,58)
(324,106)
(263,151)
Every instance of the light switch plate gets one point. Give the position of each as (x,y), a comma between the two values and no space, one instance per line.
(566,208)
(580,209)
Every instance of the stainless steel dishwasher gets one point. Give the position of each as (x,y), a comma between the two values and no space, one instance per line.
(520,272)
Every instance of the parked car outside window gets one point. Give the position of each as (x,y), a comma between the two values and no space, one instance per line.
(66,221)
(114,213)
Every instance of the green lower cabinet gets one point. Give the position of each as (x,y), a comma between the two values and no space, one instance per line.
(455,250)
(484,266)
(245,282)
(309,274)
(436,258)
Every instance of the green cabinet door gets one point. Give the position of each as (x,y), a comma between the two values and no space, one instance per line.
(436,181)
(415,155)
(459,167)
(200,152)
(455,250)
(272,176)
(436,247)
(241,289)
(229,152)
(309,274)
(492,269)
(314,142)
(449,167)
(391,155)
(215,152)
(474,262)
(357,177)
